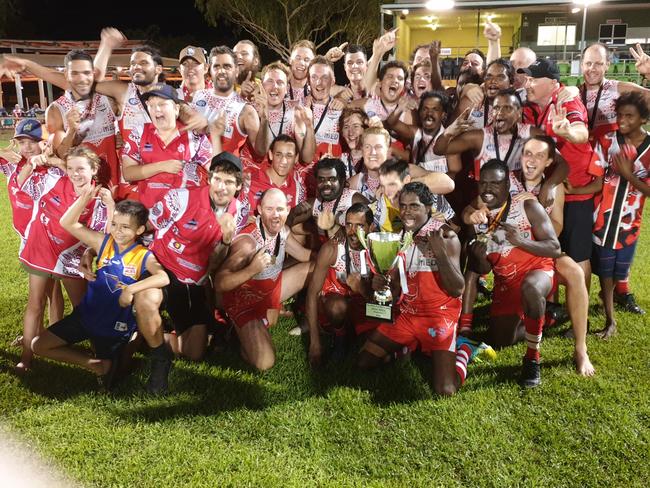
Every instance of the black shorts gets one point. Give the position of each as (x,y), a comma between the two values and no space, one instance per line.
(186,304)
(575,238)
(71,329)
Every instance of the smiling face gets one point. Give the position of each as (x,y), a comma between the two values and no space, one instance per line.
(496,79)
(273,211)
(352,130)
(354,222)
(80,171)
(246,60)
(535,159)
(143,70)
(192,72)
(283,157)
(507,113)
(422,80)
(413,213)
(594,65)
(27,146)
(275,86)
(432,115)
(125,229)
(299,62)
(629,119)
(422,54)
(328,184)
(224,73)
(472,61)
(391,184)
(164,112)
(392,86)
(540,90)
(223,188)
(493,188)
(321,80)
(79,74)
(355,66)
(375,151)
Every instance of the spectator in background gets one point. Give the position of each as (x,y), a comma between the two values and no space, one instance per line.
(18,112)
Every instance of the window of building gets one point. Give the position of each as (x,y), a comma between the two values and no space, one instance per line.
(612,34)
(556,35)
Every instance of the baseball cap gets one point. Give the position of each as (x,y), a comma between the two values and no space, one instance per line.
(193,52)
(541,68)
(29,128)
(227,157)
(162,90)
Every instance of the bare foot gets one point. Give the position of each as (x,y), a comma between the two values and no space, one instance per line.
(608,331)
(23,367)
(583,364)
(99,366)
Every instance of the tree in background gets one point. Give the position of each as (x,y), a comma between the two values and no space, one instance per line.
(277,24)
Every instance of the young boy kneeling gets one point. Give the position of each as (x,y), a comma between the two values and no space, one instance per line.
(105,315)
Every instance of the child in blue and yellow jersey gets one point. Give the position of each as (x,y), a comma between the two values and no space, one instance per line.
(124,267)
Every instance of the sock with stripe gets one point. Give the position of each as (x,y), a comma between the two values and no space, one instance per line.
(533,336)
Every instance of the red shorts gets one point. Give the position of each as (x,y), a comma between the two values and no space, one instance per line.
(437,333)
(252,300)
(506,295)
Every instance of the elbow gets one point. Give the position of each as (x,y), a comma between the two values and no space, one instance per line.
(556,251)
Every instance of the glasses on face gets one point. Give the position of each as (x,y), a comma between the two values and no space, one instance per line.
(422,76)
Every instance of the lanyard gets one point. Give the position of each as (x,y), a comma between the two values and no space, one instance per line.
(420,153)
(486,111)
(501,216)
(592,119)
(305,91)
(276,251)
(336,204)
(284,110)
(538,124)
(510,149)
(322,116)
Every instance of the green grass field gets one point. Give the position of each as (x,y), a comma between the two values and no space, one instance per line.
(224,425)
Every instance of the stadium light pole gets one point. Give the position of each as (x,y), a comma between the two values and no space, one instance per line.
(585,4)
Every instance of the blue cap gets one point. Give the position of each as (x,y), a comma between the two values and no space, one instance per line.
(162,90)
(29,128)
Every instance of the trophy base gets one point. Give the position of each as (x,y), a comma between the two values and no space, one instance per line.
(382,313)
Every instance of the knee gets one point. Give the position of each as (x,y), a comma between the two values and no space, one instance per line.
(572,273)
(533,298)
(265,362)
(337,310)
(145,304)
(37,345)
(445,389)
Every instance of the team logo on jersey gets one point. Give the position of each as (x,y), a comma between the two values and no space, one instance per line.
(371,113)
(56,201)
(44,219)
(148,147)
(130,271)
(133,101)
(181,148)
(113,283)
(192,225)
(121,327)
(201,103)
(176,246)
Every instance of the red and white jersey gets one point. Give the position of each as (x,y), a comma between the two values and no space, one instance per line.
(374,107)
(97,127)
(422,152)
(209,104)
(489,149)
(132,119)
(298,95)
(425,296)
(619,207)
(365,184)
(186,232)
(262,292)
(601,109)
(347,261)
(49,247)
(351,163)
(190,147)
(239,208)
(281,119)
(482,117)
(326,129)
(293,187)
(338,206)
(41,181)
(508,261)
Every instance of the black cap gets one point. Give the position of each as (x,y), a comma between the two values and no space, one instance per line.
(162,90)
(227,157)
(541,68)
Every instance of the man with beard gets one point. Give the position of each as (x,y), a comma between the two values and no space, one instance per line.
(429,293)
(248,61)
(333,198)
(337,291)
(242,121)
(474,60)
(518,244)
(567,124)
(302,53)
(253,281)
(280,174)
(279,115)
(192,65)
